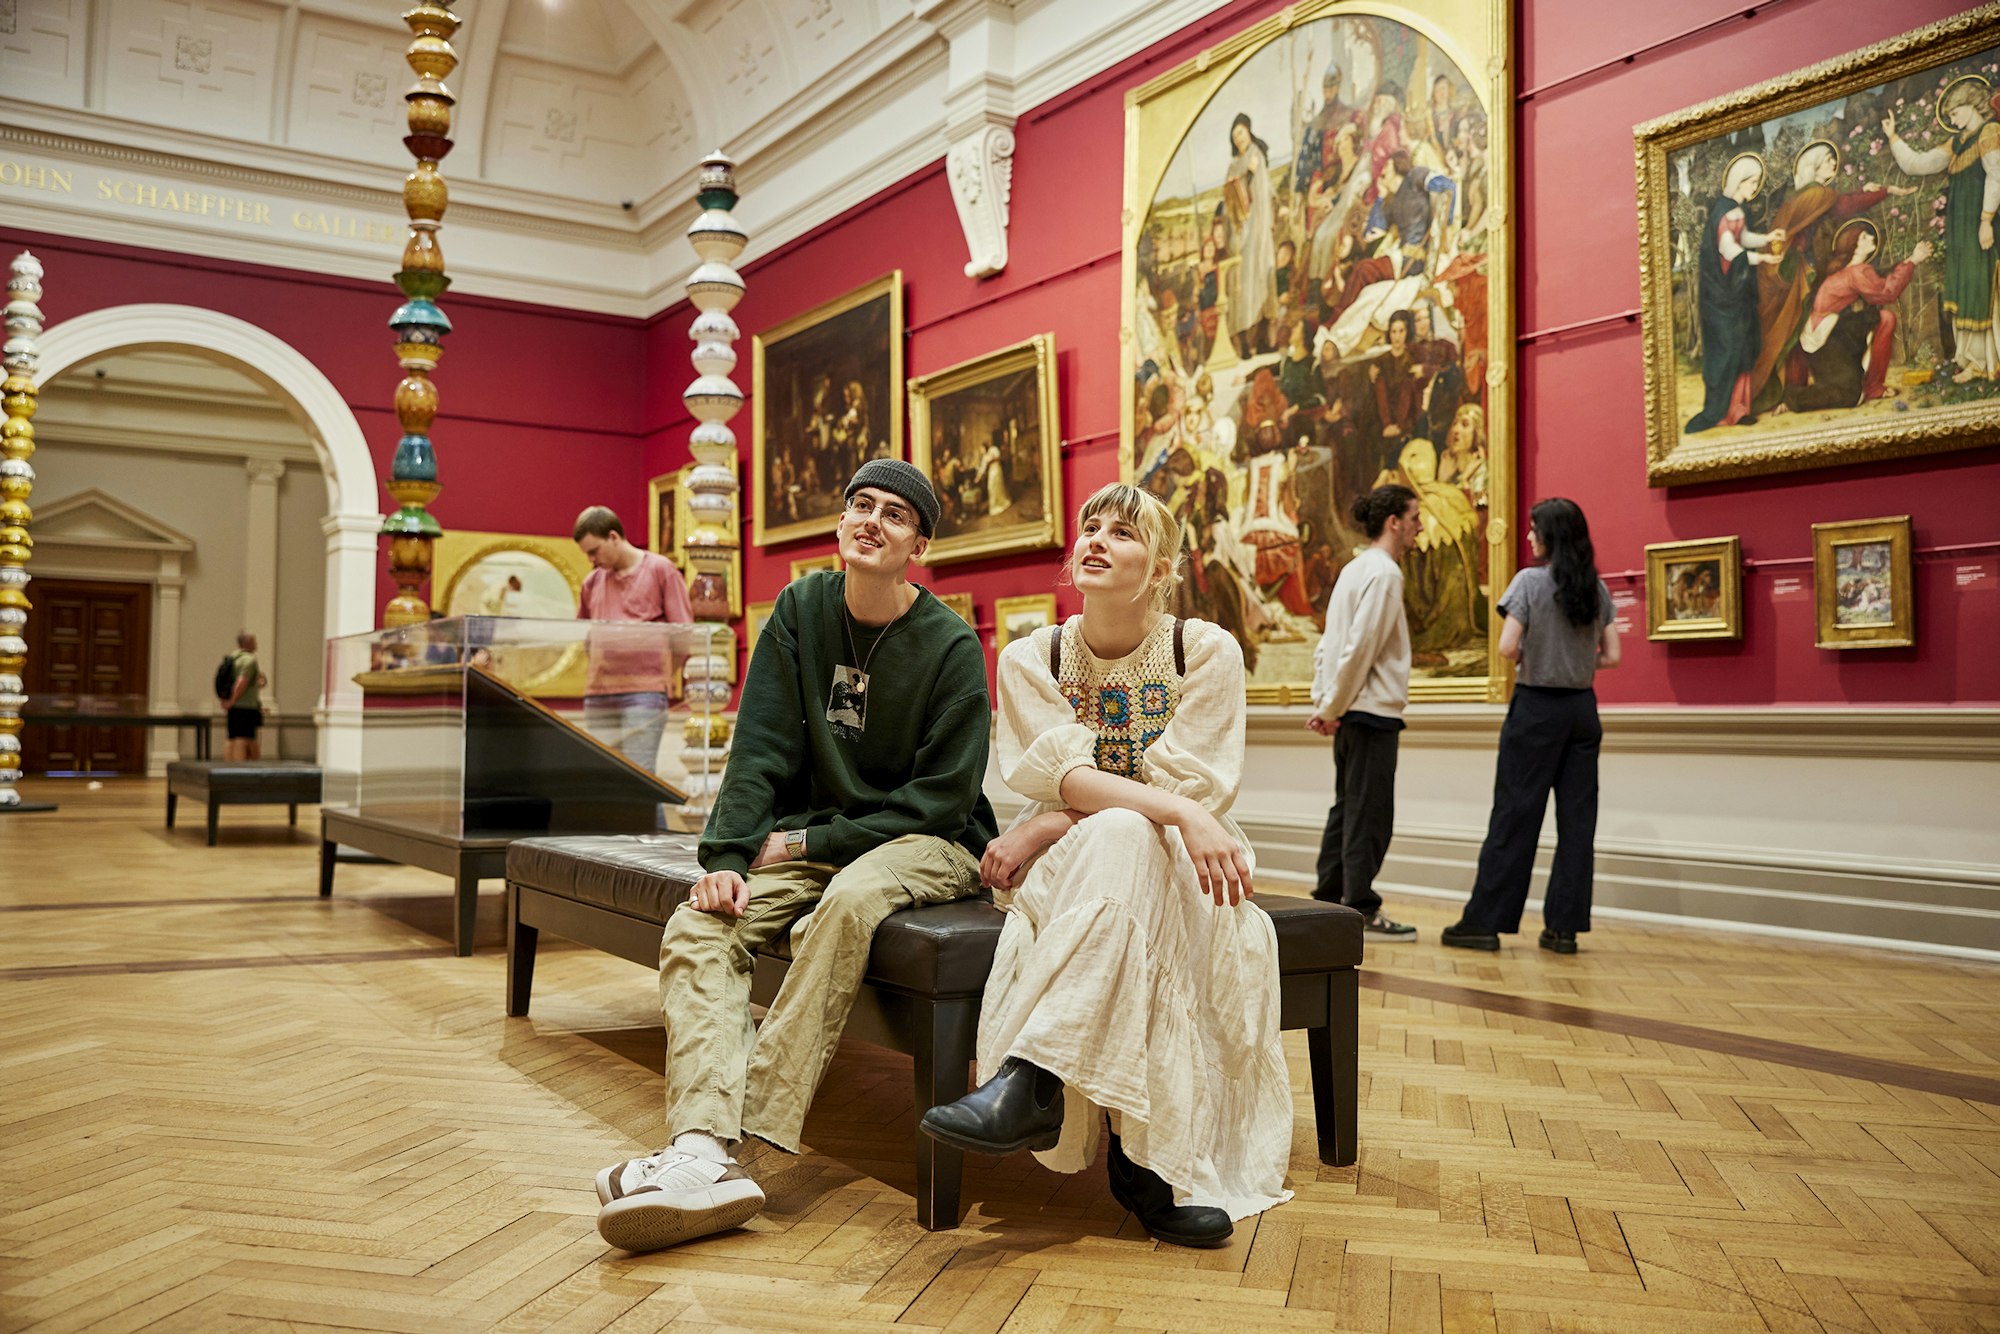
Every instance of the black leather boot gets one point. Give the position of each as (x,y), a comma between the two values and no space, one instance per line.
(1019,1108)
(1151,1201)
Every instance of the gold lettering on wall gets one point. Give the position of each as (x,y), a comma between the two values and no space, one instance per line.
(124,192)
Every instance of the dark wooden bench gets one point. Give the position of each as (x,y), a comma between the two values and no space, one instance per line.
(925,975)
(241,783)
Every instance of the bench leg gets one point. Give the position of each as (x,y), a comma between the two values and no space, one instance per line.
(521,940)
(945,1031)
(173,800)
(1335,1055)
(327,847)
(213,811)
(465,905)
(293,808)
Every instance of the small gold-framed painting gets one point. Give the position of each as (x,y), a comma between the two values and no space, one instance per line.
(516,574)
(806,565)
(672,532)
(1862,583)
(666,516)
(827,395)
(962,604)
(985,432)
(754,616)
(1694,590)
(1017,618)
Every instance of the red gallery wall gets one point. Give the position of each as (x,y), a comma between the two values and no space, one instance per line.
(1582,431)
(539,416)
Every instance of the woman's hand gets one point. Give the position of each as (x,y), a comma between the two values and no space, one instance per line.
(1000,867)
(1219,864)
(724,893)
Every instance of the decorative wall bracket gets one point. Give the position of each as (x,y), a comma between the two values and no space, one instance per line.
(980,167)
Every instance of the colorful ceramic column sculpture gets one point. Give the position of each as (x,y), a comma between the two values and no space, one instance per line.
(419,325)
(17,480)
(713,398)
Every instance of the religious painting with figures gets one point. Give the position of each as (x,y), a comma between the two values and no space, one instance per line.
(1820,262)
(1319,302)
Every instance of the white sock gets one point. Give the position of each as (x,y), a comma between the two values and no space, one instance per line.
(702,1145)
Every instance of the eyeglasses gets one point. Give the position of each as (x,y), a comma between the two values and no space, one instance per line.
(890,515)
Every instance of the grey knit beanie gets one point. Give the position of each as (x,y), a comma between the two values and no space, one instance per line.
(899,479)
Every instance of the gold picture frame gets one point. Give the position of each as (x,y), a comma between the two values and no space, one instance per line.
(1694,590)
(1193,407)
(830,384)
(1008,399)
(1018,617)
(962,604)
(669,525)
(806,565)
(1863,594)
(754,616)
(666,515)
(516,574)
(1789,389)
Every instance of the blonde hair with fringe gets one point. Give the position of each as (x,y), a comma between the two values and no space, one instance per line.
(1157,528)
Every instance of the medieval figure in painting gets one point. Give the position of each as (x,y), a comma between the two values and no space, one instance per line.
(1730,255)
(1784,288)
(1246,192)
(1441,576)
(1971,161)
(1848,335)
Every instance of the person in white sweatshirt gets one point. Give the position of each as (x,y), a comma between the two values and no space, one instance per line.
(1361,685)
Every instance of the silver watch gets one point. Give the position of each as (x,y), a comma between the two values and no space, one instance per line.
(795,844)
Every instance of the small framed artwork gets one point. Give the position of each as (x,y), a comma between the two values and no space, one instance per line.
(985,433)
(1694,590)
(754,616)
(827,395)
(962,604)
(806,565)
(665,516)
(1862,583)
(1017,618)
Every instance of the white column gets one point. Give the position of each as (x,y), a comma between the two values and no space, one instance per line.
(166,667)
(260,556)
(352,560)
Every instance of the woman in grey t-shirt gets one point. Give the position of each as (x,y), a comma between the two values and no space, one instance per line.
(1560,630)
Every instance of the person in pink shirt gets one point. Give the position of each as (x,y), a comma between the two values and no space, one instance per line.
(1848,335)
(627,689)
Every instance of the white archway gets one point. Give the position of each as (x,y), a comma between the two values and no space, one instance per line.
(353,521)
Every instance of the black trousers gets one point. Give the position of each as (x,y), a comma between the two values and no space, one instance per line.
(1362,818)
(1549,743)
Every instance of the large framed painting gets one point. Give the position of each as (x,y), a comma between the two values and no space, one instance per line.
(516,574)
(827,395)
(985,433)
(1319,299)
(1818,262)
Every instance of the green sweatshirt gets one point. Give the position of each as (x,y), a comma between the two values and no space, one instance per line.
(915,764)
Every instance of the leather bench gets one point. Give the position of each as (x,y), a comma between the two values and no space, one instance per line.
(925,975)
(241,783)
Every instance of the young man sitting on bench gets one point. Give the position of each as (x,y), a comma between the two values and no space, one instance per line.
(828,806)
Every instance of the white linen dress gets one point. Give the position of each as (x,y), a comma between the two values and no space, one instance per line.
(1114,971)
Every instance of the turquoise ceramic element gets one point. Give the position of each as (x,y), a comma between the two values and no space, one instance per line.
(415,460)
(418,318)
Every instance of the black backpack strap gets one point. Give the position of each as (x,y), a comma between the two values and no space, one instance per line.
(1180,647)
(1055,653)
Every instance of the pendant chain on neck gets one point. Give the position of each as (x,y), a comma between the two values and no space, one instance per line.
(847,620)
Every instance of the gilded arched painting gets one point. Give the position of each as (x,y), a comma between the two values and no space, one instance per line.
(1319,301)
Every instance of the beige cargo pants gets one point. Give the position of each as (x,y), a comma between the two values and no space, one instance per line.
(725,1075)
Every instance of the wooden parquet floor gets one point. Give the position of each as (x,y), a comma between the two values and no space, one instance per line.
(228,1103)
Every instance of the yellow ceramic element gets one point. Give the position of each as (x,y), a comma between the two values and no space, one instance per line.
(416,404)
(432,21)
(431,57)
(424,193)
(430,114)
(15,513)
(418,356)
(421,251)
(411,491)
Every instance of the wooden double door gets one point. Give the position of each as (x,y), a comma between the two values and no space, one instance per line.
(88,638)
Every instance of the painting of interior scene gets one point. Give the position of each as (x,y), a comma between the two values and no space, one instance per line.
(1837,264)
(986,455)
(829,404)
(1311,322)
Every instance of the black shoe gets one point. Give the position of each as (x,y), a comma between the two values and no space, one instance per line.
(1562,942)
(1378,925)
(1460,936)
(1019,1108)
(1151,1201)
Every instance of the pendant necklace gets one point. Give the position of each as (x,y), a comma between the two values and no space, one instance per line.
(847,698)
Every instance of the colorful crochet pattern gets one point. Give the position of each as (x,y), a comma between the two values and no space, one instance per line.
(1127,703)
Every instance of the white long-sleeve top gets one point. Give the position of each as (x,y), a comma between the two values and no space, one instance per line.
(1931,161)
(1363,659)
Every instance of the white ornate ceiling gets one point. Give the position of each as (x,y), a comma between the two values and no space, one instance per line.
(578,128)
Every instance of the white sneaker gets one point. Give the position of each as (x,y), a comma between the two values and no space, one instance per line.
(672,1197)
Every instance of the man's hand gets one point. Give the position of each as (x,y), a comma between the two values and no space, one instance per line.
(724,893)
(1323,726)
(773,851)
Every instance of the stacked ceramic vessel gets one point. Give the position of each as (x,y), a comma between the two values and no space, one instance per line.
(17,480)
(419,325)
(712,541)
